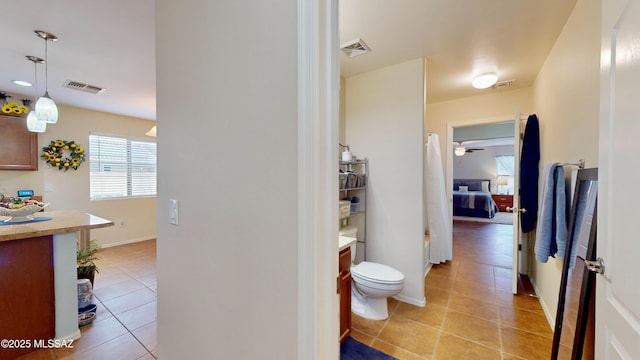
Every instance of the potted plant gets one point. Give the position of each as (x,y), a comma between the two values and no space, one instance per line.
(86,258)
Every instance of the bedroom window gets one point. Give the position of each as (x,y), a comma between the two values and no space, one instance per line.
(505,170)
(121,167)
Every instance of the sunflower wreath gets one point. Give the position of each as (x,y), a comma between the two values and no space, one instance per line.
(63,154)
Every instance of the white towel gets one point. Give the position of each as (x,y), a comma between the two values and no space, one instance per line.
(551,232)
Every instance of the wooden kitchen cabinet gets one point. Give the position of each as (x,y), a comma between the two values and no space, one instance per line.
(344,273)
(503,201)
(18,146)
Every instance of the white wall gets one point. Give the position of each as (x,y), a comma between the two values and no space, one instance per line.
(566,99)
(228,273)
(384,123)
(499,104)
(70,190)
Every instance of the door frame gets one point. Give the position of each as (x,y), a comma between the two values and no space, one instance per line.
(451,125)
(317,168)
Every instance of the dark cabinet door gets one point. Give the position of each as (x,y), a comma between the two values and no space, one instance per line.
(344,261)
(27,308)
(18,146)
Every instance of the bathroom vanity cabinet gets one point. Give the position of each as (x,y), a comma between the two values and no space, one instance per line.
(344,273)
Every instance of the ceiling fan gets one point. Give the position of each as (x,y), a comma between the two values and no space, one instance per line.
(459,149)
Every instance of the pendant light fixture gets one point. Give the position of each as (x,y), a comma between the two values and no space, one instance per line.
(46,108)
(33,123)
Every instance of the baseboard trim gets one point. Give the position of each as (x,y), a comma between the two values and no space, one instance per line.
(427,268)
(550,319)
(73,336)
(125,242)
(409,300)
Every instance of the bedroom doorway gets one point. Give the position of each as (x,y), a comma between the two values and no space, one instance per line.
(483,168)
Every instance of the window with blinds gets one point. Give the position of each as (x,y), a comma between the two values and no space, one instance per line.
(121,167)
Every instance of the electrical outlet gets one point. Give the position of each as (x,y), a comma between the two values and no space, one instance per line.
(173,211)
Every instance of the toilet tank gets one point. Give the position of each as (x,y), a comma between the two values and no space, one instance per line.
(350,231)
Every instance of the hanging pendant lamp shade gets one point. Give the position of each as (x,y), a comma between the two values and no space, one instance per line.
(33,123)
(46,108)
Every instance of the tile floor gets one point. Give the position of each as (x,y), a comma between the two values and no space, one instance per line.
(125,325)
(470,311)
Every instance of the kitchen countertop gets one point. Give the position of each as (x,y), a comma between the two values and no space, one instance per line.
(63,221)
(345,241)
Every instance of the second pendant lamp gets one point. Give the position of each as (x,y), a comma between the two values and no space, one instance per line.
(46,109)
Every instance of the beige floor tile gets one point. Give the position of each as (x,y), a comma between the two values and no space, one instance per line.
(503,284)
(455,348)
(94,335)
(148,335)
(502,272)
(437,296)
(432,315)
(472,328)
(140,316)
(362,337)
(130,301)
(525,344)
(473,306)
(479,290)
(119,289)
(124,347)
(525,320)
(445,269)
(524,301)
(366,326)
(410,335)
(439,281)
(396,352)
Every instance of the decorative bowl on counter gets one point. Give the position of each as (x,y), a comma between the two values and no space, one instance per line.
(21,214)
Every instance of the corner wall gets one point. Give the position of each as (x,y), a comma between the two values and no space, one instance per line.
(384,123)
(566,98)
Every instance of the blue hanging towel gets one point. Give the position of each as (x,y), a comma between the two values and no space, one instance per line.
(551,232)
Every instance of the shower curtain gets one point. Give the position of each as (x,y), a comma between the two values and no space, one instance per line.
(436,208)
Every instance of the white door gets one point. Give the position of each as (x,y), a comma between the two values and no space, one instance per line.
(517,234)
(618,289)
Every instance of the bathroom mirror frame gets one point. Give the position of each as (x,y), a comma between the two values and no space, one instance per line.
(581,234)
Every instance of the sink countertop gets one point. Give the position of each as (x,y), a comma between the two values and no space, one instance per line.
(345,241)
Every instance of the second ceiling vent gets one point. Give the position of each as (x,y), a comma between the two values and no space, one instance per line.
(354,48)
(75,85)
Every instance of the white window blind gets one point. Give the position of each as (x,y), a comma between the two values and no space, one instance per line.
(121,167)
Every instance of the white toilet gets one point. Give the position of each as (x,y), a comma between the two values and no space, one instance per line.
(372,284)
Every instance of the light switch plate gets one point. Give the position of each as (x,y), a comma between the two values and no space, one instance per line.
(173,211)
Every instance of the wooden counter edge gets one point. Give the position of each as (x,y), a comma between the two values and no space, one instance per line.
(34,229)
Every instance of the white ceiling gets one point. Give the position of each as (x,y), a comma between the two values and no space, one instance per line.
(110,44)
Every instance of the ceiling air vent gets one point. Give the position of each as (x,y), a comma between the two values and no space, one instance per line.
(75,85)
(503,84)
(354,48)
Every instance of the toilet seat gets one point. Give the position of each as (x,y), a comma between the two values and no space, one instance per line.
(377,273)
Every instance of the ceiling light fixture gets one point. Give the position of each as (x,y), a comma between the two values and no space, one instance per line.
(33,123)
(22,83)
(46,108)
(485,80)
